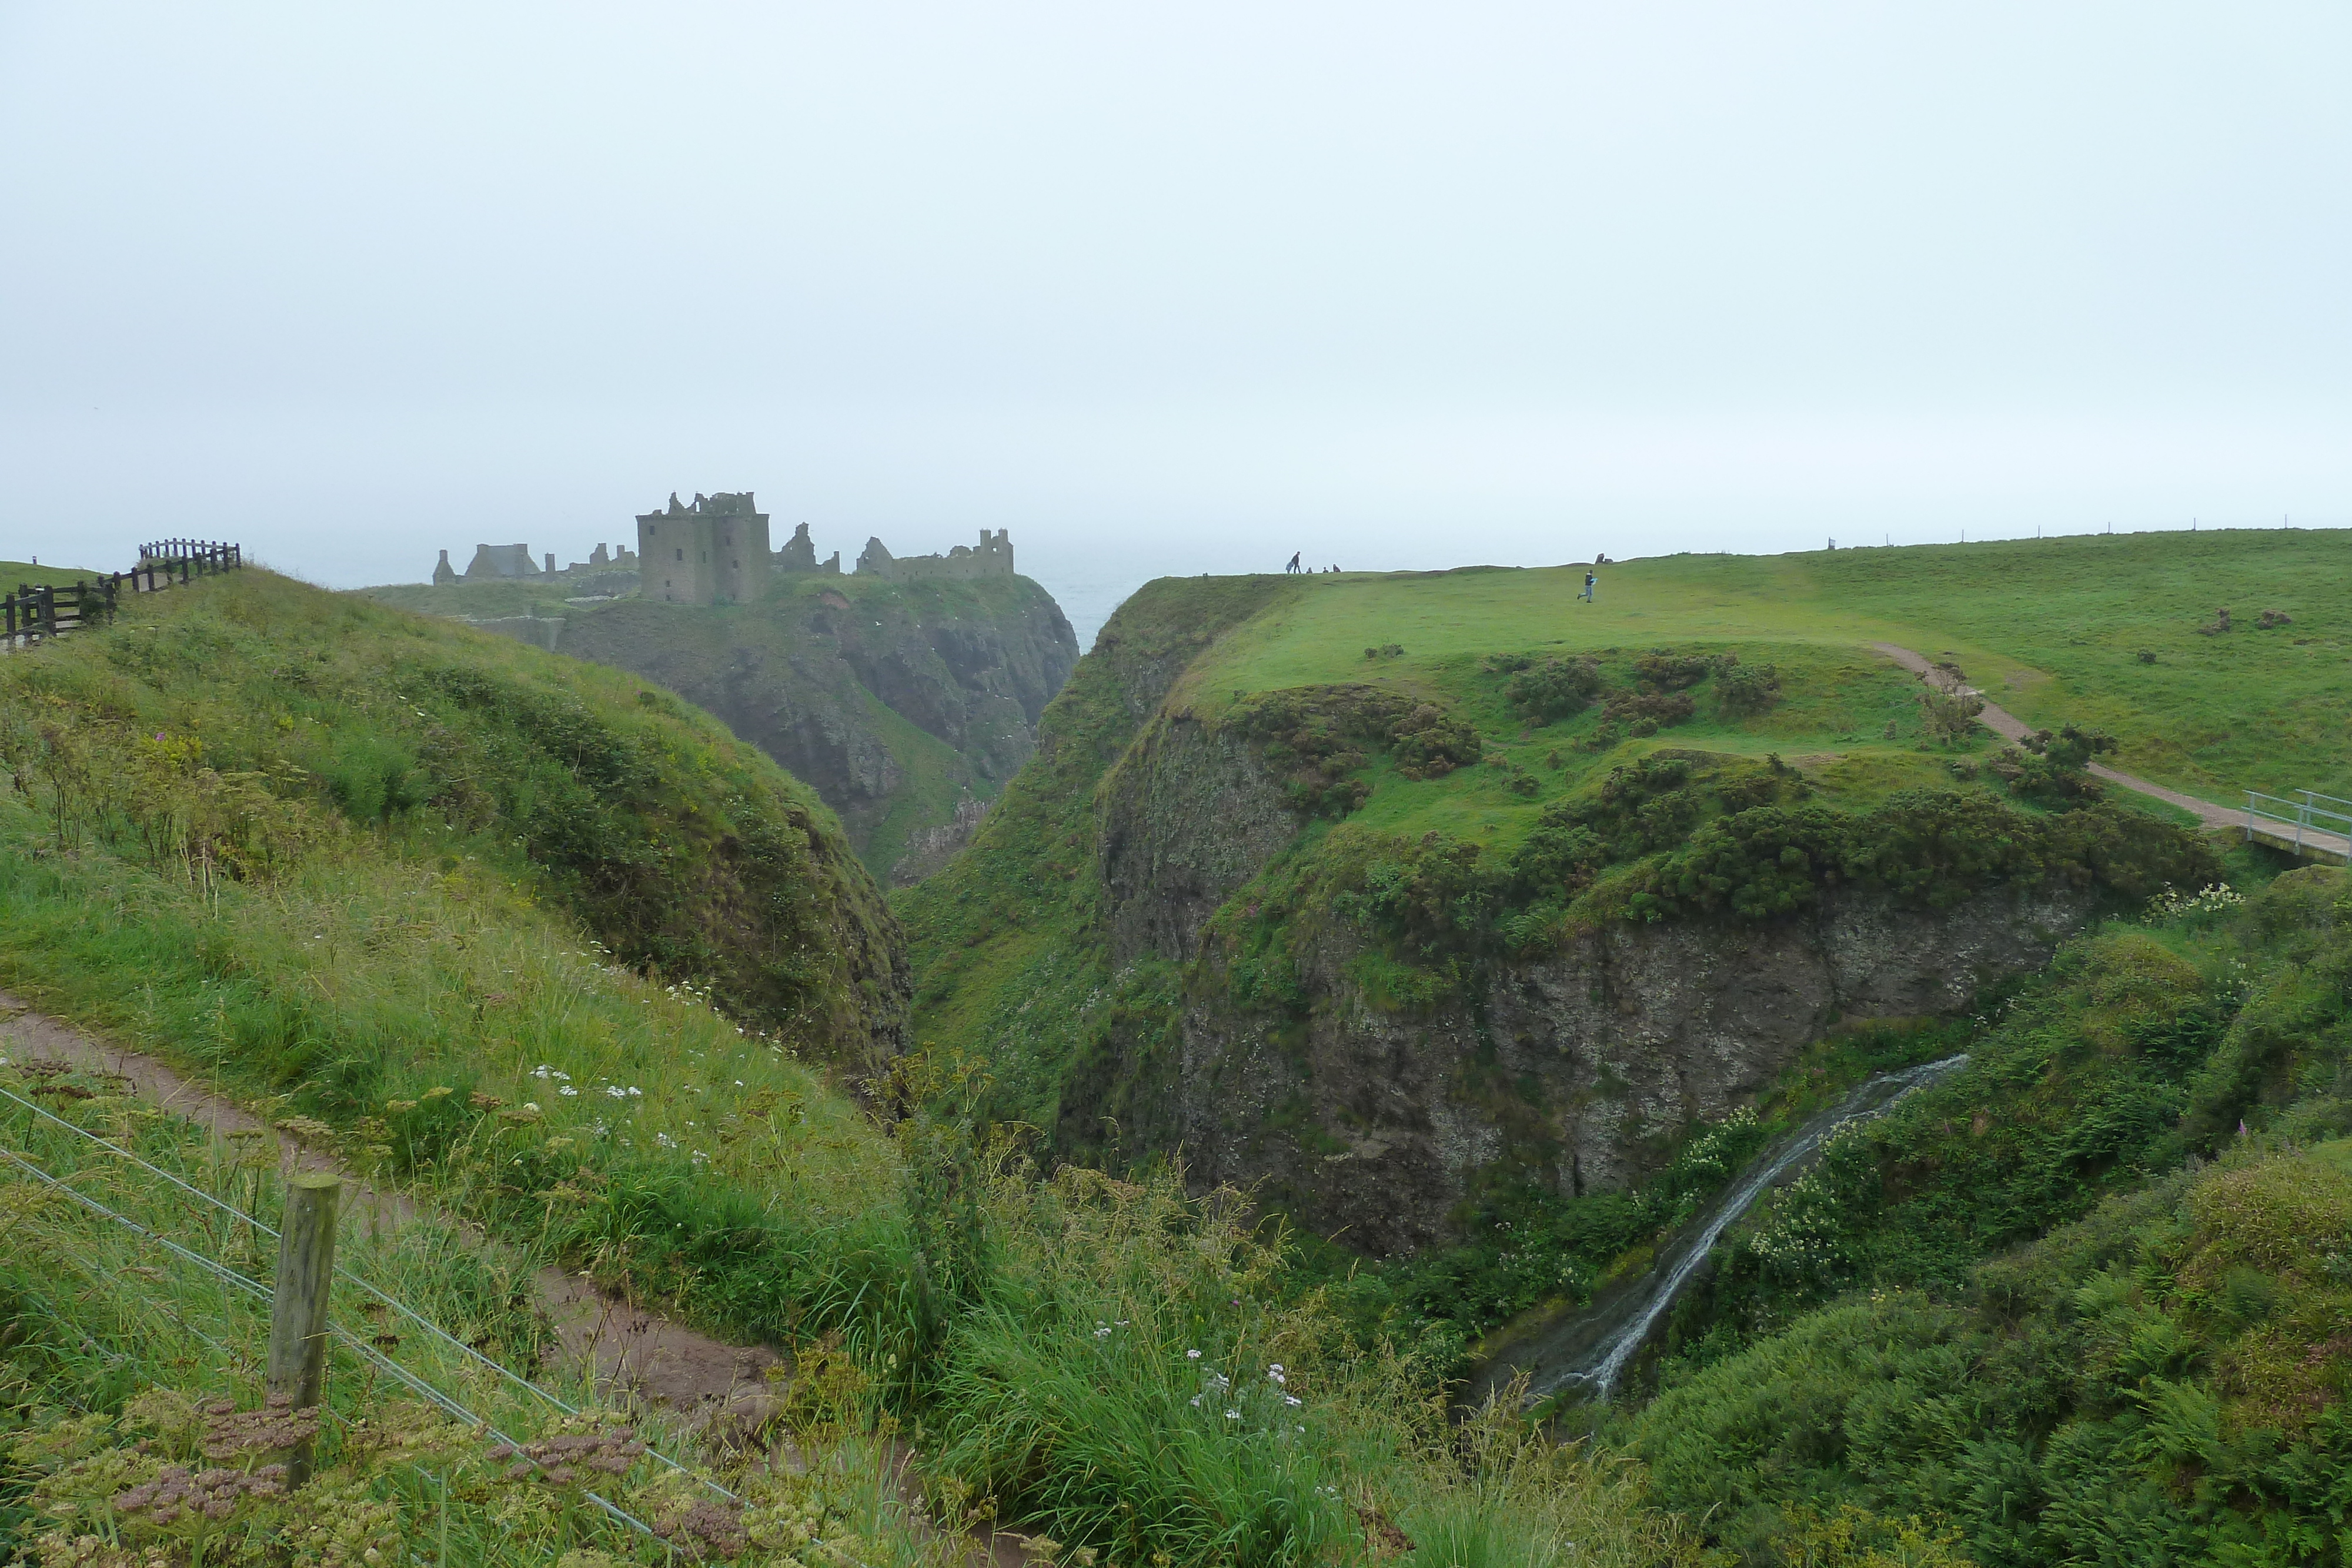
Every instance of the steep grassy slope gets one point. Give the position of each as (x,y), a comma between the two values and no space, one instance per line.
(894,701)
(2160,1376)
(233,722)
(1006,938)
(468,908)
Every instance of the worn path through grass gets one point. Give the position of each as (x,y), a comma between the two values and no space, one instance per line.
(723,1392)
(2003,723)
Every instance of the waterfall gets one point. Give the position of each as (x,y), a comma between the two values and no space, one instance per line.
(1589,1351)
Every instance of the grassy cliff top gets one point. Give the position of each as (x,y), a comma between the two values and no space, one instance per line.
(2050,629)
(13,572)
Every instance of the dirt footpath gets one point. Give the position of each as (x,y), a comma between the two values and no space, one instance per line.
(2008,726)
(713,1385)
(721,1390)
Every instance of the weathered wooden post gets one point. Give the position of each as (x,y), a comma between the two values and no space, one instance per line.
(297,1315)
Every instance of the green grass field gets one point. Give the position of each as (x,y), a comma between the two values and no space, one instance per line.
(13,572)
(2050,629)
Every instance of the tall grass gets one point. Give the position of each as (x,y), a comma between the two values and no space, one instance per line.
(120,1359)
(1138,1377)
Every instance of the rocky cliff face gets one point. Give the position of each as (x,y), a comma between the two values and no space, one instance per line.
(1189,815)
(1364,949)
(1573,1068)
(900,704)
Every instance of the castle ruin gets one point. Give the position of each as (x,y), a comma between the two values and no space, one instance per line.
(712,552)
(798,554)
(994,557)
(494,564)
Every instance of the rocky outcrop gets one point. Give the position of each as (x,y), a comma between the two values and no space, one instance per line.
(929,850)
(894,701)
(1574,1070)
(1189,815)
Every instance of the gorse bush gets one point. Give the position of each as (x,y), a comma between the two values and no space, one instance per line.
(2053,769)
(1748,690)
(1313,736)
(1552,688)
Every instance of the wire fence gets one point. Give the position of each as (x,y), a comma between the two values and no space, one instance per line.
(149,1231)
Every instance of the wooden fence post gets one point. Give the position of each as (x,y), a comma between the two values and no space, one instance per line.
(297,1315)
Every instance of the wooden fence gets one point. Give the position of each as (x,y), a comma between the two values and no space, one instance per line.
(36,612)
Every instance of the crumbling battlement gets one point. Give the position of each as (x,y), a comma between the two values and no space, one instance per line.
(494,562)
(994,557)
(798,554)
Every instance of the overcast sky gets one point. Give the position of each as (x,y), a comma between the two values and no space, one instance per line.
(1175,288)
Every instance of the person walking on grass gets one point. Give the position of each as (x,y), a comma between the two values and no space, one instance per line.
(1591,582)
(1293,562)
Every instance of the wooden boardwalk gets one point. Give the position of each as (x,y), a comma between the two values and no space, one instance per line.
(2310,840)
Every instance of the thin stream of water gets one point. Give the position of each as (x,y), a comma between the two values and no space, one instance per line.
(1590,1350)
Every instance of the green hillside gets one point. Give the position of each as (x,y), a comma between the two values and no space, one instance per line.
(2025,1313)
(1007,955)
(13,572)
(575,966)
(580,968)
(2051,628)
(895,701)
(1270,814)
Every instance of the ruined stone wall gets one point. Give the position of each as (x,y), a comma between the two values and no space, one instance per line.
(992,558)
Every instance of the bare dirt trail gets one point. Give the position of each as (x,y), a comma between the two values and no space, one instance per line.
(2008,726)
(710,1384)
(721,1390)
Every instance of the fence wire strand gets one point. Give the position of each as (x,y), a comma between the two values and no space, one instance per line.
(263,1293)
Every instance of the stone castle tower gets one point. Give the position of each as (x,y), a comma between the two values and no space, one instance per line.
(712,552)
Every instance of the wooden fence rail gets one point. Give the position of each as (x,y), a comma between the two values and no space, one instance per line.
(36,613)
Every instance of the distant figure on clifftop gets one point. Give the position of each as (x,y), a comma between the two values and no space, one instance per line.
(1591,582)
(1293,561)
